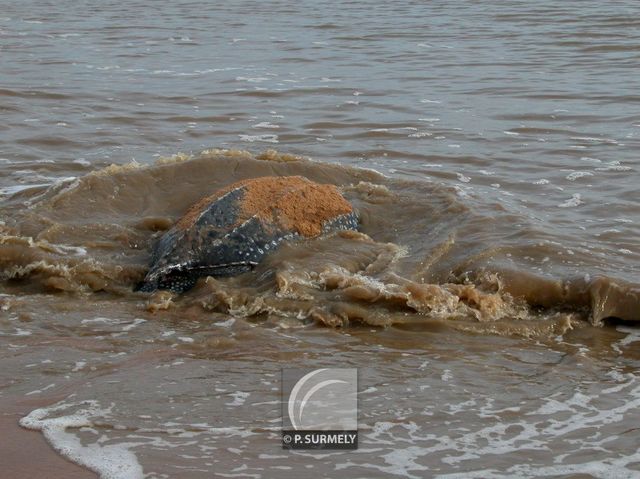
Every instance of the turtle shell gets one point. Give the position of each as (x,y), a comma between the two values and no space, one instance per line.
(229,232)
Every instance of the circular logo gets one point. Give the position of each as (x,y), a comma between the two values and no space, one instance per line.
(287,439)
(323,399)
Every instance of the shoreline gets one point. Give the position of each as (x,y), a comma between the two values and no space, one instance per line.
(26,454)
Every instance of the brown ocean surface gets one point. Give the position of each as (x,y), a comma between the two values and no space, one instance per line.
(490,298)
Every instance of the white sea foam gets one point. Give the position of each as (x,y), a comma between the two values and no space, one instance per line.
(578,174)
(633,335)
(11,190)
(21,332)
(136,322)
(239,397)
(266,124)
(420,134)
(575,200)
(595,140)
(393,130)
(261,138)
(78,366)
(109,461)
(252,80)
(225,324)
(614,166)
(38,391)
(101,320)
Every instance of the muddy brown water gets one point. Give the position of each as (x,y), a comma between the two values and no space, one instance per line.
(490,299)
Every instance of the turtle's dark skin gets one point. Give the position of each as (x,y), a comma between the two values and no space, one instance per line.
(229,232)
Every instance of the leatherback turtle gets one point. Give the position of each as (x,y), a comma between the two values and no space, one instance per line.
(229,232)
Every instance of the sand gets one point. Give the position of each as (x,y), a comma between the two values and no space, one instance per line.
(293,202)
(26,454)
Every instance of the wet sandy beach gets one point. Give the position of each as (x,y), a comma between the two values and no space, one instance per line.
(27,454)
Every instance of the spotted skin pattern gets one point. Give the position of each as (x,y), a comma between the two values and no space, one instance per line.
(217,244)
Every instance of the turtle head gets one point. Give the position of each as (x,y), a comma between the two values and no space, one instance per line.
(175,279)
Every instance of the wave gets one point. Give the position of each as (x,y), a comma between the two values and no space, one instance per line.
(425,255)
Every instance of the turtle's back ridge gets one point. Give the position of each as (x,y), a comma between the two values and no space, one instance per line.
(229,232)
